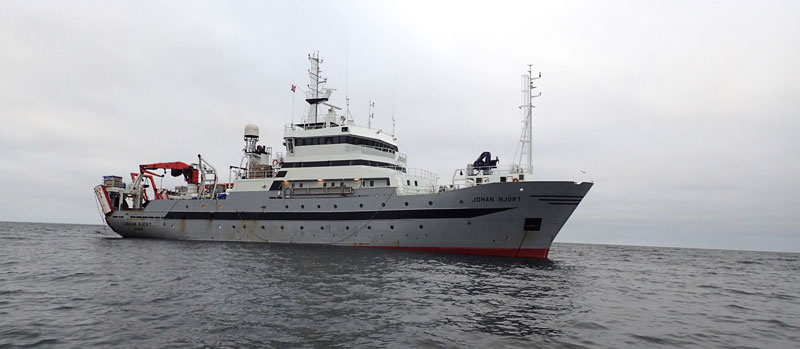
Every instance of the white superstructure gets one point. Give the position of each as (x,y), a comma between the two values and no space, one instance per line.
(327,152)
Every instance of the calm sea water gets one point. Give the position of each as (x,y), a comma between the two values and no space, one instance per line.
(73,286)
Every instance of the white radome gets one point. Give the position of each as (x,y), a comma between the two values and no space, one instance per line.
(251,130)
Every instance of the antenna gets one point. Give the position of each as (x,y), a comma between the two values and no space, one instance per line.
(526,139)
(394,79)
(347,76)
(347,115)
(371,113)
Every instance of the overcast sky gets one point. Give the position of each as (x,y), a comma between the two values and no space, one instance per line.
(686,115)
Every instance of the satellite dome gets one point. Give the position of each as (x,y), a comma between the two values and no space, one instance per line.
(251,131)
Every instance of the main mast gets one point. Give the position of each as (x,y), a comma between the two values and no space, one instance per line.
(317,93)
(526,139)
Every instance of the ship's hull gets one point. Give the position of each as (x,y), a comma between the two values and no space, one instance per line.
(516,219)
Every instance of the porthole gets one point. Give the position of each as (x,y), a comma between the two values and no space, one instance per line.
(406,203)
(420,226)
(383,204)
(360,205)
(281,227)
(469,222)
(318,206)
(347,228)
(262,227)
(460,201)
(321,228)
(287,206)
(335,206)
(233,226)
(301,227)
(302,206)
(391,227)
(430,203)
(172,225)
(369,227)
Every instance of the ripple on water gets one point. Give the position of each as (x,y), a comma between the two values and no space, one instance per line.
(95,291)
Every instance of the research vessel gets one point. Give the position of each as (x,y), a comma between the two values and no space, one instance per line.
(338,183)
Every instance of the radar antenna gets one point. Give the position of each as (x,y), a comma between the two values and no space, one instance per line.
(525,149)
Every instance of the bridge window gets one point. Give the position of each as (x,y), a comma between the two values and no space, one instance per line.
(303,141)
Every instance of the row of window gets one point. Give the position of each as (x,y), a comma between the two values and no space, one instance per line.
(303,141)
(335,206)
(369,227)
(342,163)
(326,184)
(370,182)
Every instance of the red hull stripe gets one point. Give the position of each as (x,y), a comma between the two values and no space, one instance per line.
(503,252)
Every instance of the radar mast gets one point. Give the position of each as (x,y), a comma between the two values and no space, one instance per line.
(317,92)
